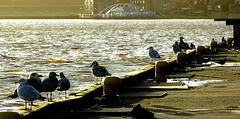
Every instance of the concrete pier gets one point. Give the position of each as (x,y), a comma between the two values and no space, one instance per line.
(165,100)
(236,30)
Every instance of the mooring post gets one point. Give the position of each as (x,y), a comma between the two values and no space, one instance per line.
(181,59)
(11,115)
(213,46)
(200,51)
(230,42)
(160,69)
(110,85)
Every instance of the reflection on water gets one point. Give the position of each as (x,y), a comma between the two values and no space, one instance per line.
(70,46)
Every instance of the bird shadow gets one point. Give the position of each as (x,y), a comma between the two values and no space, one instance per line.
(170,110)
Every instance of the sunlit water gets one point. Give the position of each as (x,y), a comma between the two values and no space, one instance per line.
(70,46)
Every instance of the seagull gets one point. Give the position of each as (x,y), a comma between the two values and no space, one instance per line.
(222,62)
(50,84)
(3,56)
(63,84)
(27,92)
(99,71)
(183,45)
(34,81)
(14,95)
(153,53)
(192,46)
(176,48)
(223,40)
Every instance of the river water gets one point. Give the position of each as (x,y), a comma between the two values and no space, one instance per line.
(70,46)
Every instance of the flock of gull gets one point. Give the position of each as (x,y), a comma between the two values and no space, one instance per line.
(30,89)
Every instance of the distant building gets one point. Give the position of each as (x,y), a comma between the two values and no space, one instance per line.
(41,8)
(162,7)
(234,9)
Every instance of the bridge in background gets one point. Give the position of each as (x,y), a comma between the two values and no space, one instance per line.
(125,10)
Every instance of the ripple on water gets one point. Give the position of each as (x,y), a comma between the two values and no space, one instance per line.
(70,46)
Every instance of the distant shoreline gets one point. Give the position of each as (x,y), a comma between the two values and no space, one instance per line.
(77,17)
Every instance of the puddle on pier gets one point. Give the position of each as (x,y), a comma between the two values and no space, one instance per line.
(193,82)
(226,65)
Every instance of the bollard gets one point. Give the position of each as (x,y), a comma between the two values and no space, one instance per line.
(230,42)
(160,69)
(200,51)
(110,85)
(213,46)
(181,59)
(11,115)
(191,54)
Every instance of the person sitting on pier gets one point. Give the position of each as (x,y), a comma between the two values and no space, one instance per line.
(183,45)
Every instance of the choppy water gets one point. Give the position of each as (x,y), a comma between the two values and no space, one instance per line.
(70,46)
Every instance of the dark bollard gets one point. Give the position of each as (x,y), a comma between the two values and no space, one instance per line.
(181,59)
(230,42)
(110,86)
(200,51)
(213,46)
(11,115)
(160,69)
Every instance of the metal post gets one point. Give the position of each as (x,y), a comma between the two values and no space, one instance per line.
(236,31)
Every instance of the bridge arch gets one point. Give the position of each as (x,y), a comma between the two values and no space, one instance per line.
(125,10)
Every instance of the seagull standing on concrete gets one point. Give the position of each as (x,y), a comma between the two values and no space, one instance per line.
(176,48)
(192,46)
(222,62)
(99,71)
(153,53)
(63,84)
(183,45)
(27,92)
(50,84)
(34,81)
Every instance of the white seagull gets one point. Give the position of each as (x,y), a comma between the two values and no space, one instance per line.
(27,92)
